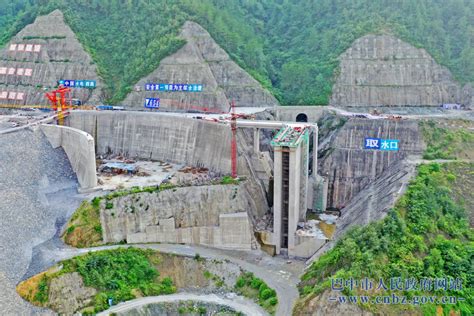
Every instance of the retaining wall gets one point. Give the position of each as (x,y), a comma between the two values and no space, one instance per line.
(79,148)
(234,232)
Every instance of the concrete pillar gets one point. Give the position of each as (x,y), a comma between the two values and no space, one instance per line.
(305,181)
(294,197)
(315,150)
(277,199)
(256,140)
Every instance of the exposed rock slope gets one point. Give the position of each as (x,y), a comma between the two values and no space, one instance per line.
(202,61)
(381,70)
(349,167)
(187,215)
(41,54)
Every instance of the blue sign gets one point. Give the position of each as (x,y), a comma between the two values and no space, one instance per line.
(186,87)
(152,103)
(381,144)
(90,84)
(389,144)
(372,143)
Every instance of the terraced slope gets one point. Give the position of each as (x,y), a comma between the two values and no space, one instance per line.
(40,55)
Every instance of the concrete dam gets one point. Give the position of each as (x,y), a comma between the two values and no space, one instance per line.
(157,137)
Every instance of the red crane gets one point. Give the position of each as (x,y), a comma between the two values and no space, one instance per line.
(60,100)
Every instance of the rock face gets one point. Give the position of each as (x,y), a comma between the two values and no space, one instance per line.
(202,61)
(67,294)
(188,273)
(214,215)
(381,70)
(40,55)
(376,199)
(349,167)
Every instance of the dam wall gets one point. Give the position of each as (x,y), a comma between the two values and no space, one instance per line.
(79,148)
(158,136)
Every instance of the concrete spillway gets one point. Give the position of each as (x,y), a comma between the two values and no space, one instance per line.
(156,136)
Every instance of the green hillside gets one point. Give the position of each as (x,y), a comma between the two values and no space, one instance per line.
(290,46)
(427,236)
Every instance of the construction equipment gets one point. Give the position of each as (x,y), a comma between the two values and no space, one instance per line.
(190,108)
(60,100)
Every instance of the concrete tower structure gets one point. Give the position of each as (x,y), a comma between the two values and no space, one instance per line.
(290,193)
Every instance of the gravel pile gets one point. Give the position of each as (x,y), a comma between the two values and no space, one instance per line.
(38,192)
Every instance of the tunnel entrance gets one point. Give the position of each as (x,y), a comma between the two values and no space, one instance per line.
(302,117)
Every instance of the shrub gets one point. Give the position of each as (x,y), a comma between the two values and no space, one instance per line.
(273,301)
(70,229)
(266,294)
(101,302)
(109,205)
(96,202)
(240,283)
(256,283)
(42,295)
(262,288)
(229,180)
(98,228)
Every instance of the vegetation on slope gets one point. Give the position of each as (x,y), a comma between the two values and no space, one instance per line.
(291,46)
(427,235)
(84,228)
(119,274)
(448,143)
(254,288)
(127,273)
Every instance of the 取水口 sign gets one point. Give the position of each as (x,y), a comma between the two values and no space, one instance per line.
(381,144)
(186,87)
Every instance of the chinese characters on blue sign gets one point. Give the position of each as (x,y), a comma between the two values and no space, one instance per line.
(152,103)
(91,84)
(381,144)
(173,87)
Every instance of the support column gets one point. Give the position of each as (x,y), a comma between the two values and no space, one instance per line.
(256,140)
(277,199)
(294,197)
(315,150)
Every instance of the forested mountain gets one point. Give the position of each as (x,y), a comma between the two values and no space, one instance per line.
(290,46)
